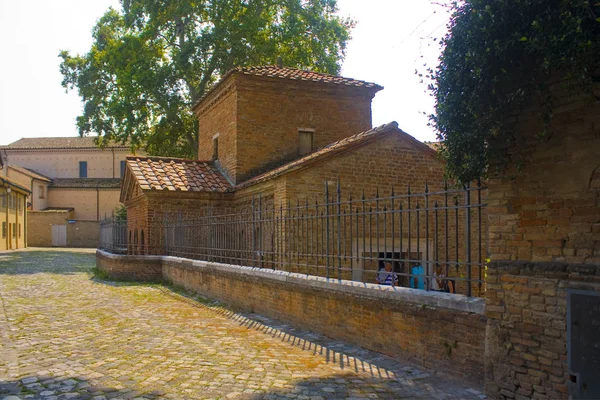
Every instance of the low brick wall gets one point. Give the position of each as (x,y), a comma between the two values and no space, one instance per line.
(526,306)
(437,330)
(130,268)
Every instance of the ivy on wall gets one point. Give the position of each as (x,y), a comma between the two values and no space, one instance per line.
(499,55)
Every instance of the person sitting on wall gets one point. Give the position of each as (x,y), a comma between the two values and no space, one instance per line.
(386,276)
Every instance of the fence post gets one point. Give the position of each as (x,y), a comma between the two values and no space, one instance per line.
(339,227)
(468,234)
(327,229)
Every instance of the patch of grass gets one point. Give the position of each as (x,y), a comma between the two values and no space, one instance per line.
(100,274)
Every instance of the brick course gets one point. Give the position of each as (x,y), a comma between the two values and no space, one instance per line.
(544,224)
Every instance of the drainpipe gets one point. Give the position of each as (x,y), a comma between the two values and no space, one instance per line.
(98,204)
(17,221)
(113,161)
(7,229)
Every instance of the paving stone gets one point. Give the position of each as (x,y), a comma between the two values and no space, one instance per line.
(75,336)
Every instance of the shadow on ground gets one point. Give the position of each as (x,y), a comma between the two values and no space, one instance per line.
(47,387)
(65,262)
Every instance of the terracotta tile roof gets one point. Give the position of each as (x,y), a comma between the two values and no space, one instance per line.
(58,143)
(334,148)
(82,183)
(273,71)
(31,173)
(176,174)
(7,182)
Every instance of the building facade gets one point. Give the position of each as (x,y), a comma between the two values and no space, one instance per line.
(12,213)
(73,184)
(282,137)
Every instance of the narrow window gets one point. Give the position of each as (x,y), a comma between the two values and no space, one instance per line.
(122,169)
(19,230)
(14,229)
(215,148)
(305,141)
(42,191)
(83,169)
(4,229)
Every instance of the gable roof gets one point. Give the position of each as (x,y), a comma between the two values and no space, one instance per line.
(58,143)
(338,147)
(294,74)
(83,183)
(30,173)
(4,181)
(177,175)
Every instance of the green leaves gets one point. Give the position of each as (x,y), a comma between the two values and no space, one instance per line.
(152,60)
(497,57)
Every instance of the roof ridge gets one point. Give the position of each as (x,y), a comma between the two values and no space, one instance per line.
(290,73)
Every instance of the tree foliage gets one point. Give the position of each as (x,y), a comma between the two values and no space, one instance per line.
(499,55)
(152,60)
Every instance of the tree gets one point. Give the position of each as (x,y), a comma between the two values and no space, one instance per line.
(151,61)
(498,56)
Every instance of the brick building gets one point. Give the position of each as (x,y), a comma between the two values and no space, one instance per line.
(282,134)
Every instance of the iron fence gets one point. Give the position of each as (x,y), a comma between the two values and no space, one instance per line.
(113,236)
(430,240)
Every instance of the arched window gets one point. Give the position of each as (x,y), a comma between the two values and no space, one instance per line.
(135,242)
(143,248)
(129,242)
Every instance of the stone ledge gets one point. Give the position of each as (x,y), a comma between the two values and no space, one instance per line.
(549,270)
(366,290)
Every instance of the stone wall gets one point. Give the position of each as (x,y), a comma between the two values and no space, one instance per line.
(544,224)
(544,192)
(438,330)
(526,306)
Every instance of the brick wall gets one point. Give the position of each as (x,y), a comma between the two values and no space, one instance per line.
(39,226)
(83,234)
(373,168)
(270,112)
(146,214)
(544,193)
(526,306)
(219,117)
(257,120)
(442,331)
(544,216)
(130,268)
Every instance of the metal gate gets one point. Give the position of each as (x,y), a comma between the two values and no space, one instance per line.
(59,235)
(583,322)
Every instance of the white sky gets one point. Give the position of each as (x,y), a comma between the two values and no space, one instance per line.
(391,40)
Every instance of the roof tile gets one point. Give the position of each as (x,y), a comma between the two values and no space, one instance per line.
(175,174)
(273,71)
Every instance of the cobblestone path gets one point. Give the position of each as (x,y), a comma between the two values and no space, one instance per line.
(65,334)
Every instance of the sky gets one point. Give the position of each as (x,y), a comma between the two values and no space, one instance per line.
(392,39)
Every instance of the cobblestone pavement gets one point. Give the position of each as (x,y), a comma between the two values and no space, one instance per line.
(65,334)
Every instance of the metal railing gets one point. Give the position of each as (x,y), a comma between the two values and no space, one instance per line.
(113,236)
(430,240)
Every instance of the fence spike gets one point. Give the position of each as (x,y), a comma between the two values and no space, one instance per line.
(392,190)
(426,187)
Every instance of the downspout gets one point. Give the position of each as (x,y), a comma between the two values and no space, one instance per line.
(98,203)
(7,228)
(25,217)
(112,149)
(17,221)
